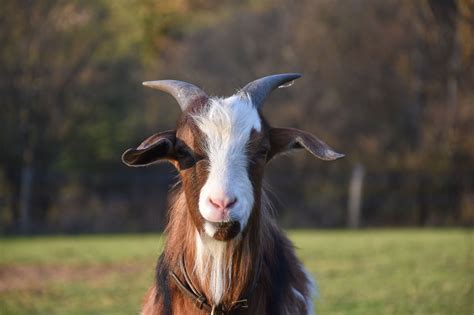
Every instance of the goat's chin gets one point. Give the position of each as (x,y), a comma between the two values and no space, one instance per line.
(222,231)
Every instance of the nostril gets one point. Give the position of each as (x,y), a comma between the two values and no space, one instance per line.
(231,203)
(223,203)
(216,203)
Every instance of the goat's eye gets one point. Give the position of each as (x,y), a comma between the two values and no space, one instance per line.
(261,153)
(182,153)
(184,157)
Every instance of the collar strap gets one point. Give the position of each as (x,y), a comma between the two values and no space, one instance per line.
(200,301)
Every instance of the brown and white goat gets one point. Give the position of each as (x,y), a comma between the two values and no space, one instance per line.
(224,253)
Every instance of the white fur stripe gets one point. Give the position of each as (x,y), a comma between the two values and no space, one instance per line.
(227,125)
(211,265)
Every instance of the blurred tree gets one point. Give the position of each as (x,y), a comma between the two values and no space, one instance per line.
(46,46)
(388,83)
(377,85)
(58,63)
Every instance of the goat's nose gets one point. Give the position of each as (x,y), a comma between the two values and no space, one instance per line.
(223,203)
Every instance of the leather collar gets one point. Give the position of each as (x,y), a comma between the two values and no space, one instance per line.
(200,301)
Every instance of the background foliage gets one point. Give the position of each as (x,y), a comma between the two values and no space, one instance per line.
(389,83)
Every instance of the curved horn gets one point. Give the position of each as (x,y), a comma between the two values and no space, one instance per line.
(184,93)
(261,88)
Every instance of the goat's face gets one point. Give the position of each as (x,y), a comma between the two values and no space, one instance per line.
(226,143)
(220,148)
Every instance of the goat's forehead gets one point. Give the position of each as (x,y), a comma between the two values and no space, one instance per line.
(228,120)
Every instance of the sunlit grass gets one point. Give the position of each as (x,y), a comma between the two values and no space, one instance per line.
(80,249)
(362,272)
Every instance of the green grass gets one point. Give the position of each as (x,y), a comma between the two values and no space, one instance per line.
(358,272)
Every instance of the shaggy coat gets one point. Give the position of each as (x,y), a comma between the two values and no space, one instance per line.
(242,263)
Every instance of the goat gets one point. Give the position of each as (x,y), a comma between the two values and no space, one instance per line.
(224,252)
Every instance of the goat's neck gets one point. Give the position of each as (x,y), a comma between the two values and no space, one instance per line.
(222,271)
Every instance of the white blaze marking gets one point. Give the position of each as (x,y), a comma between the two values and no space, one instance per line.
(227,124)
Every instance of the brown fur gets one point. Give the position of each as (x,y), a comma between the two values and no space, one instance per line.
(264,244)
(262,262)
(264,266)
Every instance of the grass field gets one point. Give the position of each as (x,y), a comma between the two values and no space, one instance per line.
(358,272)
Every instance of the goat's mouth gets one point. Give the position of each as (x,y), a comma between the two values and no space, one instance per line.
(223,231)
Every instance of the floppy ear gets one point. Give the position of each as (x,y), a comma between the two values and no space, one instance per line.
(159,147)
(285,139)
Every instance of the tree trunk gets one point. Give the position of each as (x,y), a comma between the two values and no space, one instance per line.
(446,14)
(454,62)
(26,185)
(355,196)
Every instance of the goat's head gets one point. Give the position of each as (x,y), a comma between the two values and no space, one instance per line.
(220,148)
